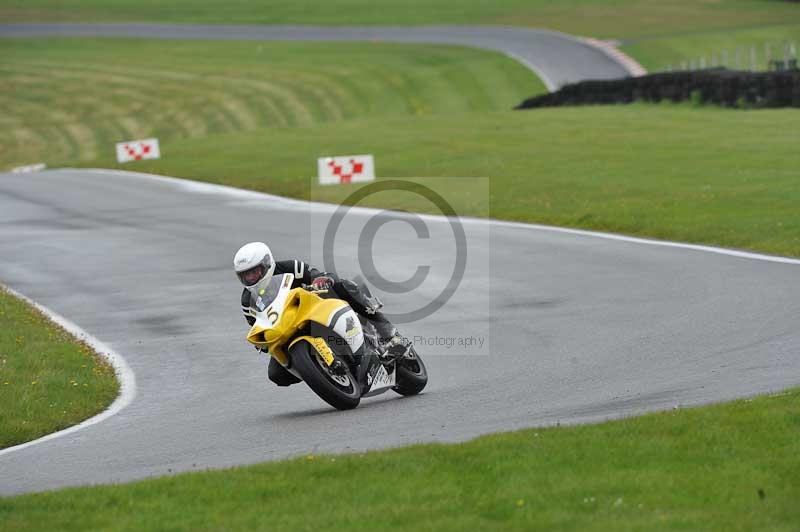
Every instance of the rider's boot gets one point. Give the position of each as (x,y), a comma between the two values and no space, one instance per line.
(394,344)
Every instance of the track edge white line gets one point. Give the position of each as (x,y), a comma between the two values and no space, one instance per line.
(206,187)
(628,63)
(550,84)
(123,372)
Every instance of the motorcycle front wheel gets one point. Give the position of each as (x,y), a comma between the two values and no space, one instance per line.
(338,387)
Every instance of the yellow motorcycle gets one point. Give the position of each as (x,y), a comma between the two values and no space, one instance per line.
(325,343)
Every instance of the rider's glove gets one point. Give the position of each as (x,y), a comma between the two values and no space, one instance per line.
(322,283)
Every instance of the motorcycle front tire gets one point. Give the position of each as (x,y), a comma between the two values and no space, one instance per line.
(311,367)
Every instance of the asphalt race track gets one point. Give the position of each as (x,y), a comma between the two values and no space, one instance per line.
(557,58)
(578,327)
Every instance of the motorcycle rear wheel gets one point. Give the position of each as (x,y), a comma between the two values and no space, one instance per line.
(412,376)
(339,391)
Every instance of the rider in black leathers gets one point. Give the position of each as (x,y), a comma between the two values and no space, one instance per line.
(345,290)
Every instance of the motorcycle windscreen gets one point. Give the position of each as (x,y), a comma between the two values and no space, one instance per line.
(266,295)
(269,302)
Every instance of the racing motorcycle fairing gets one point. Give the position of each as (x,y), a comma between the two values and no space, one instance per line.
(321,340)
(283,313)
(375,378)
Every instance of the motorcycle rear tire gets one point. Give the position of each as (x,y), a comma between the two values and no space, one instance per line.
(411,377)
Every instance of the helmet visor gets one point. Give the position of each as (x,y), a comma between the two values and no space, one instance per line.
(253,275)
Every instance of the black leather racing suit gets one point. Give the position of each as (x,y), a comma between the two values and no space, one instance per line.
(345,290)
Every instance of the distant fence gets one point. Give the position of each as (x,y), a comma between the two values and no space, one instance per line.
(769,56)
(717,86)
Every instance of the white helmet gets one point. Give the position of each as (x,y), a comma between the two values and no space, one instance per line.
(254,265)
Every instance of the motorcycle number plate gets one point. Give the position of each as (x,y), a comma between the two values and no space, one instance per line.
(324,350)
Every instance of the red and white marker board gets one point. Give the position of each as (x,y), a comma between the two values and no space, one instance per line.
(346,169)
(137,150)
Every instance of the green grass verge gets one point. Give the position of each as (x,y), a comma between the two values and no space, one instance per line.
(48,380)
(609,18)
(725,467)
(717,46)
(669,171)
(73,99)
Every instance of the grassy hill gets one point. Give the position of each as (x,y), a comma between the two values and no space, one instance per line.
(71,100)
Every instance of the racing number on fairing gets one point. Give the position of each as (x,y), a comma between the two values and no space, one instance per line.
(272,316)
